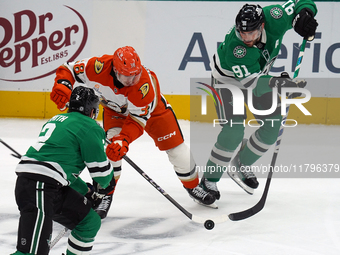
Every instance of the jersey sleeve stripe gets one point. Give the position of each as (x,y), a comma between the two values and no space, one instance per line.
(101,173)
(99,169)
(105,163)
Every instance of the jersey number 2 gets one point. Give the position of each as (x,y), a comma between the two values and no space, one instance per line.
(45,133)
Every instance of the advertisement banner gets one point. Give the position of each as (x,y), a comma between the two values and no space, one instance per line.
(36,38)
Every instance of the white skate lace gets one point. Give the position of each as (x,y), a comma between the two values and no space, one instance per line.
(247,172)
(210,185)
(104,204)
(199,192)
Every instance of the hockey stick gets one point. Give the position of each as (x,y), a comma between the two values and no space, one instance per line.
(58,237)
(208,223)
(259,206)
(63,231)
(16,155)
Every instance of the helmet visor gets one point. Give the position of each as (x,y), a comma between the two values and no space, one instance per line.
(130,80)
(249,36)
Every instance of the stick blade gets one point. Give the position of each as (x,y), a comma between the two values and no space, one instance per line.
(252,210)
(244,214)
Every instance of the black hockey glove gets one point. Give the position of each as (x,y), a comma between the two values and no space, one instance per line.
(285,81)
(94,197)
(304,24)
(107,190)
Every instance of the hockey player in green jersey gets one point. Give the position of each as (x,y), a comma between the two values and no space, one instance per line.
(48,185)
(244,60)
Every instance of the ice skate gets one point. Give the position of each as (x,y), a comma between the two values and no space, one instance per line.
(104,206)
(210,187)
(241,174)
(202,197)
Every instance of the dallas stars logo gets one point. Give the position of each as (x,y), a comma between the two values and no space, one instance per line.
(240,51)
(276,13)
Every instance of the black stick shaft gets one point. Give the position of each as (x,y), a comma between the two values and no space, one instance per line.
(17,154)
(157,187)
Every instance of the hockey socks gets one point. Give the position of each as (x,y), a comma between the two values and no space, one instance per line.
(81,239)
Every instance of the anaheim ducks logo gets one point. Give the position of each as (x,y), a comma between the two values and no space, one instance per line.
(144,89)
(98,66)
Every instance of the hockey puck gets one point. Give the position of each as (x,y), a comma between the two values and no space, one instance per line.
(209,224)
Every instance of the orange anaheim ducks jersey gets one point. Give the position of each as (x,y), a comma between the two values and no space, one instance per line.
(135,103)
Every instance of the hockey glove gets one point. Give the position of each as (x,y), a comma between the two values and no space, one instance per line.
(118,148)
(285,81)
(61,93)
(94,197)
(304,23)
(108,190)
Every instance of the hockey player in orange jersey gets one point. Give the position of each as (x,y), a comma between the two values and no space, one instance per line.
(132,102)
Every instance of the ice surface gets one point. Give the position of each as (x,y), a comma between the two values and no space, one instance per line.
(301,215)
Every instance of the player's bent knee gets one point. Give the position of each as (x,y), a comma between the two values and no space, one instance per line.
(81,239)
(89,226)
(269,131)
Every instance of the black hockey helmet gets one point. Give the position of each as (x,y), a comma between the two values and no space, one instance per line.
(249,18)
(84,100)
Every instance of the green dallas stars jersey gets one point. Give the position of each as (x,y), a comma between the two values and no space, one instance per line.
(67,144)
(248,65)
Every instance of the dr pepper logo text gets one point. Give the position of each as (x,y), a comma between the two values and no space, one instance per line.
(33,45)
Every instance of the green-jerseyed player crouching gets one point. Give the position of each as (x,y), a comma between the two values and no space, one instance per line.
(48,186)
(244,59)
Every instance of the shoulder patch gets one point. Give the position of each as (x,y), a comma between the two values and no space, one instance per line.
(276,12)
(98,66)
(144,89)
(240,51)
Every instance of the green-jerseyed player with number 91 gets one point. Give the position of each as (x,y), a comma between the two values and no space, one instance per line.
(245,59)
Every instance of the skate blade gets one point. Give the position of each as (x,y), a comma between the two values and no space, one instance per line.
(240,183)
(213,205)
